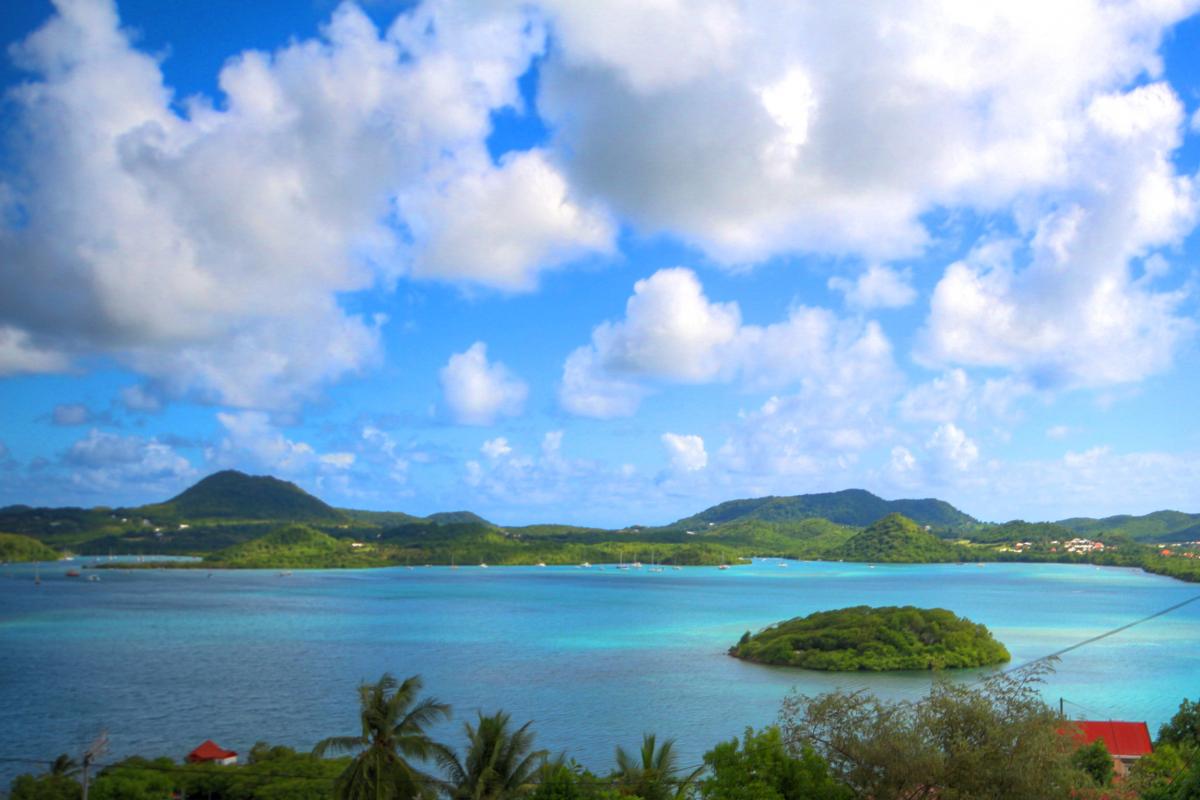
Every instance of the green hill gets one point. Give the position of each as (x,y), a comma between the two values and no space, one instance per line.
(296,546)
(1159,526)
(865,638)
(1017,530)
(456,518)
(898,539)
(849,507)
(15,547)
(236,495)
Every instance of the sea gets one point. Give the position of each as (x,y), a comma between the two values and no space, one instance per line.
(162,659)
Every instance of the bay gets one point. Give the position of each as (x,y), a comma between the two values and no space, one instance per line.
(163,659)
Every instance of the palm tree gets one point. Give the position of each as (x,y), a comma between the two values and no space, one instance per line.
(394,727)
(653,778)
(500,763)
(65,766)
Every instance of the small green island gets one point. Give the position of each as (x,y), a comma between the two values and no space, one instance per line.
(863,638)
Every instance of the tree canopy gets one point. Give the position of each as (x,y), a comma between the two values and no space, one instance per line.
(865,638)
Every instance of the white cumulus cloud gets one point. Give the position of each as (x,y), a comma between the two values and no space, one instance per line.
(478,392)
(877,287)
(685,452)
(207,240)
(672,333)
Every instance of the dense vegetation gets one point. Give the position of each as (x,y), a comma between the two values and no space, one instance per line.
(295,547)
(897,539)
(232,494)
(992,741)
(875,639)
(1159,526)
(15,547)
(848,507)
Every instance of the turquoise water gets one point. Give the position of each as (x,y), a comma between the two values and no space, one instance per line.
(165,659)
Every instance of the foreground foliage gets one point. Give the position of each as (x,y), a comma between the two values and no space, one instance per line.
(992,741)
(865,638)
(393,735)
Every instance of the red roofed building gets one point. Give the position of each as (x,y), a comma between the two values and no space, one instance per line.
(211,753)
(1126,741)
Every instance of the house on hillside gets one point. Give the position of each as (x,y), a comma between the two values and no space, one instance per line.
(1126,741)
(211,753)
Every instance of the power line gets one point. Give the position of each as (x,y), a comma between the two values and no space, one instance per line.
(1105,635)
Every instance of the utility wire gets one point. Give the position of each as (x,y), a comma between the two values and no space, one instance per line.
(1105,635)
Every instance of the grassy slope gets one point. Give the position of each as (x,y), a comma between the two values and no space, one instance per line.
(15,547)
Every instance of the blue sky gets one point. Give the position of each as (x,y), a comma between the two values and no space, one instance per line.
(602,263)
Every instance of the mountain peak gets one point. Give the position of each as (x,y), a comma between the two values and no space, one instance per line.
(234,494)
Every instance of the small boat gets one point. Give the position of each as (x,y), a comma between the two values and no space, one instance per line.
(285,574)
(783,564)
(586,565)
(723,566)
(94,578)
(541,563)
(482,565)
(73,573)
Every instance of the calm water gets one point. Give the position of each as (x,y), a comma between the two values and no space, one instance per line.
(166,659)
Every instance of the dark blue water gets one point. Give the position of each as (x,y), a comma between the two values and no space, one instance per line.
(165,659)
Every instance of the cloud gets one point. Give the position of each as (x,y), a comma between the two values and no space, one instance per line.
(757,129)
(68,414)
(107,462)
(951,448)
(953,396)
(686,452)
(877,287)
(495,448)
(1058,432)
(1060,305)
(478,392)
(500,227)
(672,333)
(207,241)
(251,439)
(140,398)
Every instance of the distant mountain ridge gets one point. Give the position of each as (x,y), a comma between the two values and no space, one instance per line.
(856,507)
(1157,526)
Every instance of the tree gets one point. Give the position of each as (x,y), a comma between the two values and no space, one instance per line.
(394,724)
(651,776)
(761,769)
(1095,760)
(1184,727)
(45,787)
(994,740)
(500,763)
(65,766)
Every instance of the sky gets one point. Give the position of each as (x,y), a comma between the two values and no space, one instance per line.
(603,264)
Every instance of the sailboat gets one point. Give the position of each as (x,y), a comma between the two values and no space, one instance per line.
(37,577)
(654,567)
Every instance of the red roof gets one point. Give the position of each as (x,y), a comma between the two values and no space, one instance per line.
(1123,739)
(210,751)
